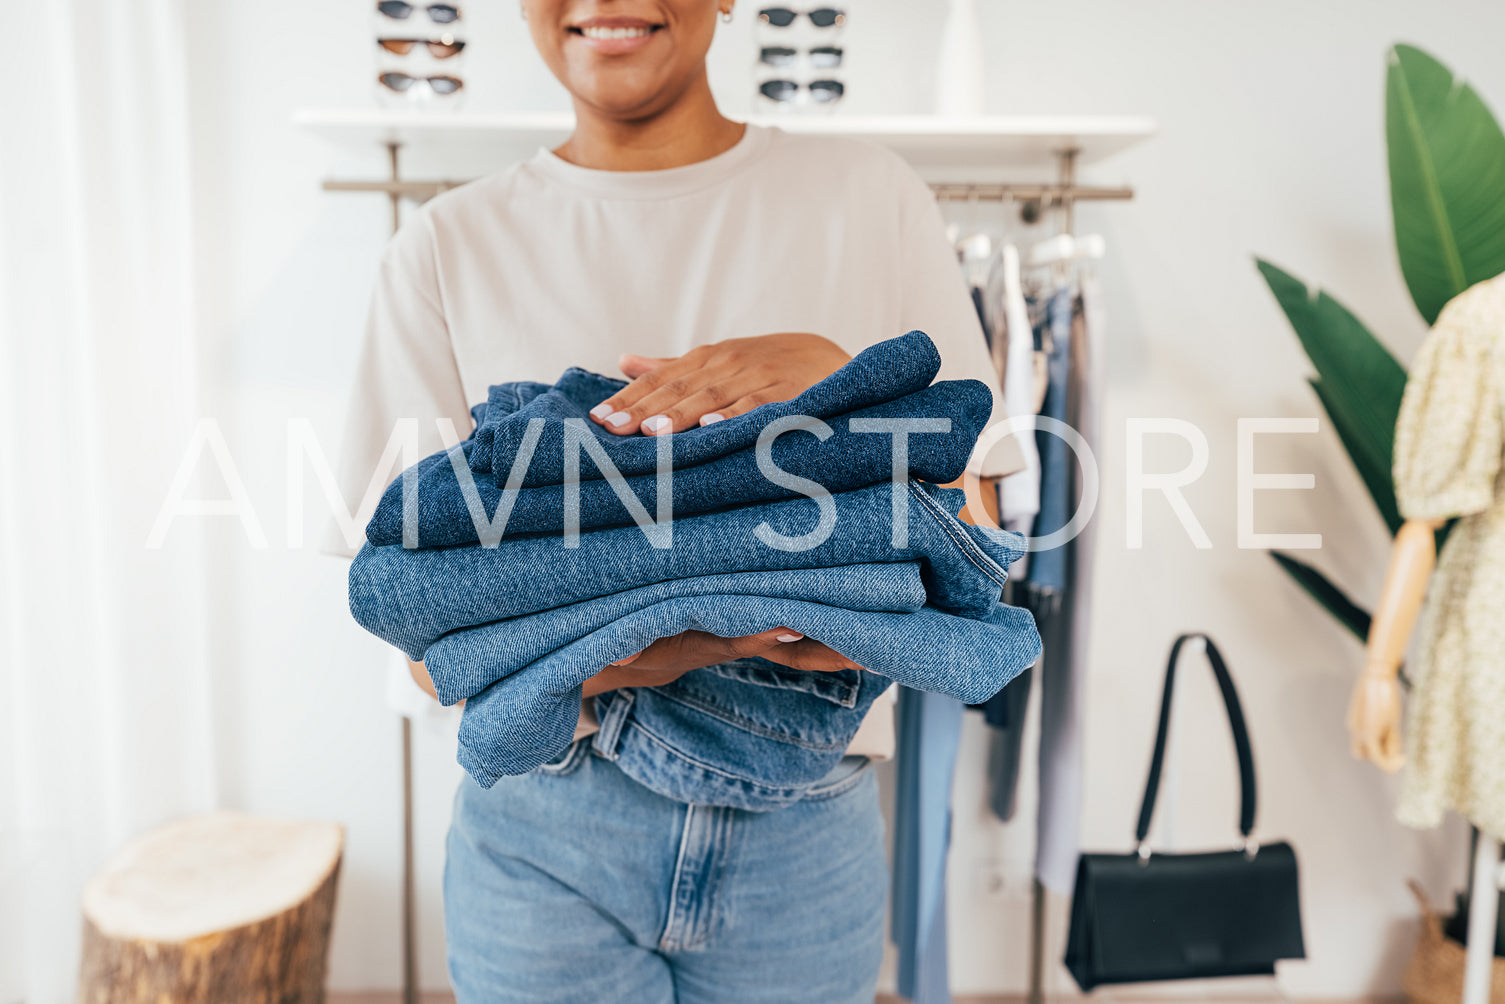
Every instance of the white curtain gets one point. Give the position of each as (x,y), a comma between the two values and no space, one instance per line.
(104,676)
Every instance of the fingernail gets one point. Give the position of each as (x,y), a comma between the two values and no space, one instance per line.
(713,417)
(656,423)
(617,419)
(601,410)
(791,636)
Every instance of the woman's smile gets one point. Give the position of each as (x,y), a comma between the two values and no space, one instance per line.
(615,36)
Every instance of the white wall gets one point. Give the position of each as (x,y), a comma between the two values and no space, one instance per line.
(1271,142)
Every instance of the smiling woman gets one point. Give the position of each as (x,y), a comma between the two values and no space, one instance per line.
(631,61)
(719,266)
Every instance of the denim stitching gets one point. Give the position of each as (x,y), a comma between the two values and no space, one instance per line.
(747,724)
(969,548)
(958,533)
(840,787)
(568,764)
(744,781)
(669,940)
(835,691)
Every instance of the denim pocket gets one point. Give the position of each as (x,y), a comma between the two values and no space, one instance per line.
(746,701)
(839,688)
(846,775)
(568,760)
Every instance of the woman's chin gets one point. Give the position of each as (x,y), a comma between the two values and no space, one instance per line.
(621,99)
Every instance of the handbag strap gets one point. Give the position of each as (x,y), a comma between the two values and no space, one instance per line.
(1240,741)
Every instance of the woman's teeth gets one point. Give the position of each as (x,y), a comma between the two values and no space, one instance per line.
(615,32)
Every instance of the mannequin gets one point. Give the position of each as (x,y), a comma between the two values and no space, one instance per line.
(1374,716)
(1448,443)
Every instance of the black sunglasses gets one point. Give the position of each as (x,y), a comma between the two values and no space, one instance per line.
(439,48)
(783,17)
(439,13)
(821,56)
(821,91)
(402,82)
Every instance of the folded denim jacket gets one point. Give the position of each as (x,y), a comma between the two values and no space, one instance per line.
(523,437)
(883,573)
(465,662)
(523,720)
(519,647)
(881,373)
(411,597)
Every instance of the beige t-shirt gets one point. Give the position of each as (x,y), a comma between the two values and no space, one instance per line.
(547,265)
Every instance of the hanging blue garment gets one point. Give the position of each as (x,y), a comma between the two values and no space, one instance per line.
(1046,576)
(1063,673)
(929,729)
(980,306)
(1005,713)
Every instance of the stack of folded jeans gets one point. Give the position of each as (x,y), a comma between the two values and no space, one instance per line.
(515,571)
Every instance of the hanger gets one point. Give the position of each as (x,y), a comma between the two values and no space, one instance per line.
(1064,248)
(974,246)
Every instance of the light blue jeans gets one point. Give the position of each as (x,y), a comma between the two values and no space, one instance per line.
(574,883)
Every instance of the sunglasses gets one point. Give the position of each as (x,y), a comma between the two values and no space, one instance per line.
(783,17)
(401,82)
(821,91)
(821,56)
(441,48)
(439,13)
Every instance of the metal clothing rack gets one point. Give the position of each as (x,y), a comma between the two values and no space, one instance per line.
(1060,197)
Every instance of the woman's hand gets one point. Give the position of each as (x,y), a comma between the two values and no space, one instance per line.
(667,659)
(713,382)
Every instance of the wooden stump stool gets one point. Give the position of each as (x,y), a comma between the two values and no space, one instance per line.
(225,908)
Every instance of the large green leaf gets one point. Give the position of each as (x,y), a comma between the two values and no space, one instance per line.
(1346,611)
(1373,465)
(1358,381)
(1447,180)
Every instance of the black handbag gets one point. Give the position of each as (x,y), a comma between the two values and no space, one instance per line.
(1141,916)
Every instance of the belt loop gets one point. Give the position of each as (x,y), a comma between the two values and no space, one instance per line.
(605,741)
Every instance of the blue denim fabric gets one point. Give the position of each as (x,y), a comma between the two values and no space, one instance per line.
(883,573)
(882,373)
(844,460)
(465,662)
(767,754)
(576,885)
(517,629)
(1046,575)
(412,597)
(929,729)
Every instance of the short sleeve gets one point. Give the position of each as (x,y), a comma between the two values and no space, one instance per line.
(406,381)
(936,300)
(1448,434)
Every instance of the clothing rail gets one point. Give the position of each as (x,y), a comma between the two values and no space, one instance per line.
(947,191)
(1051,195)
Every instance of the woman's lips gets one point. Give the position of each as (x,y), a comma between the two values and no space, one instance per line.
(615,38)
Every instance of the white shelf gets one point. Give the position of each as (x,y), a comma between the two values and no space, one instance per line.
(925,141)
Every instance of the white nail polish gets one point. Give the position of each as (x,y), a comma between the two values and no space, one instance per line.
(617,419)
(601,410)
(656,423)
(790,637)
(712,418)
